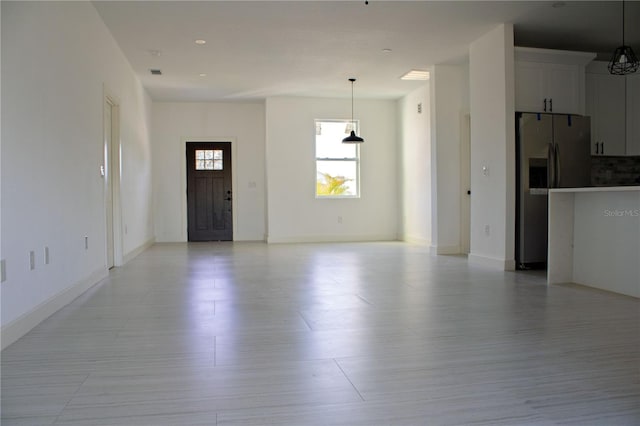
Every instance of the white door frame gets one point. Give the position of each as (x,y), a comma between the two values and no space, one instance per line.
(183,180)
(111,168)
(465,182)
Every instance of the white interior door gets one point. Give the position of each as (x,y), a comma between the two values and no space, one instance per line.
(108,175)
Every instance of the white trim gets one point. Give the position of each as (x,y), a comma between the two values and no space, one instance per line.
(501,264)
(331,239)
(115,158)
(136,251)
(27,321)
(447,250)
(416,240)
(183,179)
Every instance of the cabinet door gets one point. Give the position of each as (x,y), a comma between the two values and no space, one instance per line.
(563,89)
(633,114)
(548,87)
(529,79)
(605,97)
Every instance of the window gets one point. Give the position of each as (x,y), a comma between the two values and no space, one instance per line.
(208,159)
(337,164)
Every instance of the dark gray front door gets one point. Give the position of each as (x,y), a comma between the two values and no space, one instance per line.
(209,191)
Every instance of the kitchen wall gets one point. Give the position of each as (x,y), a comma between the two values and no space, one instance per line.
(241,123)
(615,171)
(294,214)
(58,61)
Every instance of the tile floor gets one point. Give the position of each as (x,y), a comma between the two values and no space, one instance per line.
(326,334)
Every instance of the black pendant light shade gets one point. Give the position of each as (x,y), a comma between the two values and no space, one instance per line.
(624,60)
(352,138)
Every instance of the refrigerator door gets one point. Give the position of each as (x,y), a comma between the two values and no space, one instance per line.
(534,175)
(571,135)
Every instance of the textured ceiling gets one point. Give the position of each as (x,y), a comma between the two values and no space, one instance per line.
(310,48)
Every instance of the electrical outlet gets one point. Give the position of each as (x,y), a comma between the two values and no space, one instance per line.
(46,255)
(3,270)
(339,219)
(487,230)
(485,170)
(32,260)
(86,242)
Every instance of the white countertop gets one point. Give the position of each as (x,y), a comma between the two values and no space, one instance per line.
(597,189)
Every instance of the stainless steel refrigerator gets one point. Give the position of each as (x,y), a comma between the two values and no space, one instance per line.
(552,151)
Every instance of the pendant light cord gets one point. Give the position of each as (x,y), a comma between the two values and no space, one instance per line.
(623,22)
(352,81)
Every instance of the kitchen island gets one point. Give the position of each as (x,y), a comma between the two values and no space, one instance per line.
(594,238)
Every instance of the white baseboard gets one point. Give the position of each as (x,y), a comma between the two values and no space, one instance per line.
(27,321)
(412,239)
(330,239)
(496,263)
(136,251)
(446,249)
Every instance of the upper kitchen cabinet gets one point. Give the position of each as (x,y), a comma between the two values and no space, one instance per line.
(550,80)
(606,107)
(613,102)
(633,114)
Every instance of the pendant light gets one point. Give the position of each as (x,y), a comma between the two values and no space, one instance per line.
(352,138)
(624,60)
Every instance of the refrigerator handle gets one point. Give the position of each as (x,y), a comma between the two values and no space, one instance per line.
(557,168)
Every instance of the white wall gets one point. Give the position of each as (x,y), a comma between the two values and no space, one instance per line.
(449,104)
(492,146)
(242,124)
(57,58)
(294,214)
(415,166)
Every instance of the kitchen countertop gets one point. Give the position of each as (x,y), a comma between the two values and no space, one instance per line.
(597,189)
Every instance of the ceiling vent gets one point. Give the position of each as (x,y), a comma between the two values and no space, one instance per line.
(155,71)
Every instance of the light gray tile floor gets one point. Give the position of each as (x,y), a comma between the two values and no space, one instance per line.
(326,334)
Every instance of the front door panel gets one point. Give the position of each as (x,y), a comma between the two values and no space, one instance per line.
(209,192)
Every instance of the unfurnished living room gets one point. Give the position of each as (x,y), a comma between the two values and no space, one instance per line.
(320,213)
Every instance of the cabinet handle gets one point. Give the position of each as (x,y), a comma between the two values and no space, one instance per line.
(550,105)
(602,148)
(597,148)
(545,104)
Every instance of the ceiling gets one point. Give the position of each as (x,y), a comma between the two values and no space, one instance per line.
(257,49)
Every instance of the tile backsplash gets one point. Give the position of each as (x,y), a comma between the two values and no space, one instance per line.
(615,171)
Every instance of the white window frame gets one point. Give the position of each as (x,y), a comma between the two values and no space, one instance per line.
(355,159)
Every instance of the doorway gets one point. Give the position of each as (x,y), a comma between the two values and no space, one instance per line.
(209,191)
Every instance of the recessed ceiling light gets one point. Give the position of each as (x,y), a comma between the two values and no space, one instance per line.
(155,52)
(202,74)
(201,41)
(155,71)
(387,50)
(416,75)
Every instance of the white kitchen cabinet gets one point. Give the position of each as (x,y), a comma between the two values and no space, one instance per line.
(550,80)
(613,103)
(633,114)
(606,107)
